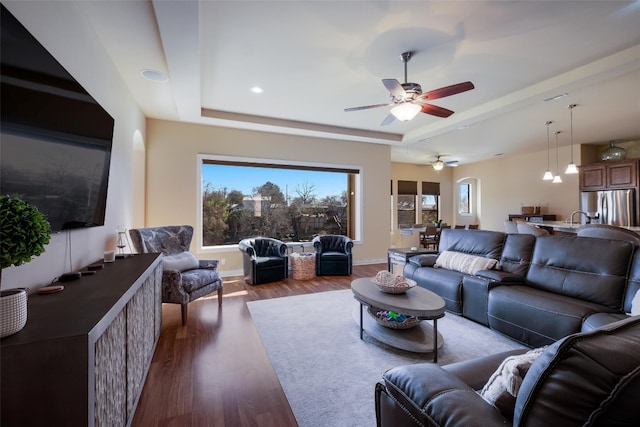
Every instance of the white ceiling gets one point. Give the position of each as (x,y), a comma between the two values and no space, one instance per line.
(315,58)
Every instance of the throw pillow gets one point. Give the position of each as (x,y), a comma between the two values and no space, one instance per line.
(182,262)
(502,388)
(464,263)
(635,304)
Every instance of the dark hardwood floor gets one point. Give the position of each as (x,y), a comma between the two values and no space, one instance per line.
(214,371)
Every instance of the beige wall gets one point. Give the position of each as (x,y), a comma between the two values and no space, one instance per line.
(80,52)
(507,183)
(172,177)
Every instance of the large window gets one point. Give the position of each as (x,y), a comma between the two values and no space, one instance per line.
(430,202)
(406,203)
(251,197)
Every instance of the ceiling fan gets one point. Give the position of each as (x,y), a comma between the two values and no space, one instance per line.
(438,164)
(408,99)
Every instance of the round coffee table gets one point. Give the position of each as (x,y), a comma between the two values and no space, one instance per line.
(417,301)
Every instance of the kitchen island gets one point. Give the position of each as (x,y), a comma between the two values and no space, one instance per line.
(562,227)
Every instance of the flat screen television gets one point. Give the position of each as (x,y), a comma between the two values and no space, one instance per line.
(55,141)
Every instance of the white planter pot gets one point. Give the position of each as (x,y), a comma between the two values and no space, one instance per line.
(13,311)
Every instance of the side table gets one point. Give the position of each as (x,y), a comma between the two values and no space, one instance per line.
(398,257)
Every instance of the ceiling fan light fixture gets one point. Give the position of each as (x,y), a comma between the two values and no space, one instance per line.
(406,111)
(438,165)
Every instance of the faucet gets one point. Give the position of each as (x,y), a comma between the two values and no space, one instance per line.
(586,216)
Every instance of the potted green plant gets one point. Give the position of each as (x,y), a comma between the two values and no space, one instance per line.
(24,231)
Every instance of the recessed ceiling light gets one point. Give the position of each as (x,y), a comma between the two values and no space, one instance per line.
(256,89)
(155,76)
(553,98)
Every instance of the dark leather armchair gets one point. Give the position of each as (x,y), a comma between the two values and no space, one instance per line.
(264,260)
(184,277)
(586,379)
(333,255)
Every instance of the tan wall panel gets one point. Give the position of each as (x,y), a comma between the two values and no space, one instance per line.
(172,174)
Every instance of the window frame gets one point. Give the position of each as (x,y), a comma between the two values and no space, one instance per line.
(468,191)
(357,201)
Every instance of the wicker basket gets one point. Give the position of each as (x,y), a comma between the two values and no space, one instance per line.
(392,283)
(303,265)
(384,318)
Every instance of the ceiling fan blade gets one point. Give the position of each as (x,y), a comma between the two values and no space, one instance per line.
(434,110)
(394,87)
(388,120)
(366,107)
(447,91)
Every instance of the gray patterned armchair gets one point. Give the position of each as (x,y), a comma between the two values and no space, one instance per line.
(264,260)
(185,278)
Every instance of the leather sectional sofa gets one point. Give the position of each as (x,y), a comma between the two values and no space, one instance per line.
(541,288)
(566,295)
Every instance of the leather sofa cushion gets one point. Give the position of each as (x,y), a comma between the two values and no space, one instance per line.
(535,317)
(584,268)
(446,283)
(585,379)
(484,243)
(517,253)
(601,319)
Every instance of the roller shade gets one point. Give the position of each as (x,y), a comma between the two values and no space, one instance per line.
(407,188)
(431,188)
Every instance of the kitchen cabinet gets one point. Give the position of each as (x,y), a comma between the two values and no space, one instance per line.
(83,356)
(610,175)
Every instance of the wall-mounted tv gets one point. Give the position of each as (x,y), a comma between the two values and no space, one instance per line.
(55,141)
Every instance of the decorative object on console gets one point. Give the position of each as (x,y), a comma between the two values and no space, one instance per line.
(613,152)
(122,241)
(24,231)
(571,167)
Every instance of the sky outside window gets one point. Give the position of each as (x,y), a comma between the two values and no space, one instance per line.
(244,179)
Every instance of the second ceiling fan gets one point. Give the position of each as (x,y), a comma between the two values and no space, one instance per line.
(408,99)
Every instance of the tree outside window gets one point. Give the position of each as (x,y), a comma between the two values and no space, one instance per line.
(241,200)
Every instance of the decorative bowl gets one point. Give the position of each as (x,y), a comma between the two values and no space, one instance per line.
(393,320)
(392,283)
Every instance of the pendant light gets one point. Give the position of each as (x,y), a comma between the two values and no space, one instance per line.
(557,179)
(571,168)
(548,176)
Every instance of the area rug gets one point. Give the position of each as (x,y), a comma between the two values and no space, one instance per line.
(328,374)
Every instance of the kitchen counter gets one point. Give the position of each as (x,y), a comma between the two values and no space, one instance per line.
(566,227)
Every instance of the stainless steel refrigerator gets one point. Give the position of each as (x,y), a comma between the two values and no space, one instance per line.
(614,207)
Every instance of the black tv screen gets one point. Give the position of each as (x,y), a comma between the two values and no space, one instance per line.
(55,142)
